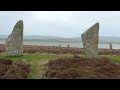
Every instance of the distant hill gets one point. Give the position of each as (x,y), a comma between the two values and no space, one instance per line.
(109,39)
(3,36)
(39,37)
(102,39)
(31,37)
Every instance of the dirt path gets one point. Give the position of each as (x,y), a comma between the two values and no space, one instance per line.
(40,68)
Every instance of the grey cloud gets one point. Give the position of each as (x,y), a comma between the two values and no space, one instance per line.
(66,24)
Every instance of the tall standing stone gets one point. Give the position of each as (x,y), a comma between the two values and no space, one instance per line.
(90,39)
(14,42)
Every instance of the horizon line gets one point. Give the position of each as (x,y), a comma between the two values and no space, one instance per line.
(62,36)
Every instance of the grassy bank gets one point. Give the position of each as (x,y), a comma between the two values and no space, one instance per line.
(38,61)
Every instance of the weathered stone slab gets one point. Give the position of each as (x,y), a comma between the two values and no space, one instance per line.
(90,39)
(14,42)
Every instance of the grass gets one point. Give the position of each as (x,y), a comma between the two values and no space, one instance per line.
(116,58)
(29,57)
(37,61)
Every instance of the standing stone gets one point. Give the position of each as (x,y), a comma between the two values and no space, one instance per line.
(68,45)
(110,48)
(59,45)
(90,39)
(14,42)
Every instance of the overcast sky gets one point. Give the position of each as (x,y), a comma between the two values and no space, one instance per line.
(61,23)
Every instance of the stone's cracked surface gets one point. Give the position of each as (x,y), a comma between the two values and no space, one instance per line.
(90,39)
(14,42)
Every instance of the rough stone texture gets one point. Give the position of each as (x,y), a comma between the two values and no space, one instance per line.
(90,39)
(14,42)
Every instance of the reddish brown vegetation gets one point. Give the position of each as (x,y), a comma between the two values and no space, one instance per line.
(2,48)
(52,49)
(6,61)
(14,70)
(82,68)
(65,50)
(60,50)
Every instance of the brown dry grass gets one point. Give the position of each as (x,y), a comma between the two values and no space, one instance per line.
(14,70)
(82,68)
(60,50)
